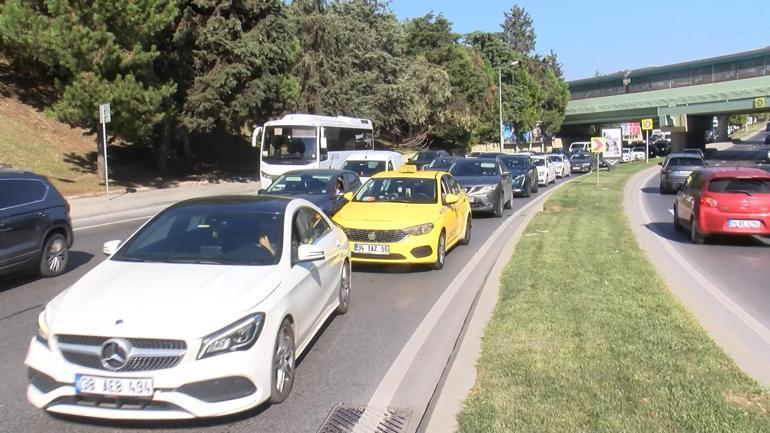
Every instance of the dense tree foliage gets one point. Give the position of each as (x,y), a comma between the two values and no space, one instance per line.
(179,68)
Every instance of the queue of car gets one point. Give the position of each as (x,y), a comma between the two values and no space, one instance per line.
(152,347)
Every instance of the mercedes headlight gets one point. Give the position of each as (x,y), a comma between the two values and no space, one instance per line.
(421,229)
(43,332)
(241,335)
(486,188)
(519,178)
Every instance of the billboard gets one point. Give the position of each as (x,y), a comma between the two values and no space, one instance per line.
(614,139)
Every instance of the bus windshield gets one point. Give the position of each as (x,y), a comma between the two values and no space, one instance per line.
(290,145)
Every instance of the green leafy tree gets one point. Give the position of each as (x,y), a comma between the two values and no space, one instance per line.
(232,62)
(518,31)
(95,52)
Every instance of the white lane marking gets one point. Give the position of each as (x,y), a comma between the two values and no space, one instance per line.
(671,211)
(742,315)
(112,223)
(390,383)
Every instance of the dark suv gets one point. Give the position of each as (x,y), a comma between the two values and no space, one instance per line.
(35,227)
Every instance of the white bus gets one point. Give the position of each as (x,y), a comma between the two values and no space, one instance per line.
(300,141)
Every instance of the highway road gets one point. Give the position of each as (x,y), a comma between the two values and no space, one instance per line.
(390,350)
(724,282)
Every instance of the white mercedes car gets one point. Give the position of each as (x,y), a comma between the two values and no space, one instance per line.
(561,164)
(202,312)
(546,171)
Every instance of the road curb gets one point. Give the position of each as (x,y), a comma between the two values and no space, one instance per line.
(460,375)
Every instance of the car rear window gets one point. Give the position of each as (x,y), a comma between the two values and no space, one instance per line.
(751,186)
(694,162)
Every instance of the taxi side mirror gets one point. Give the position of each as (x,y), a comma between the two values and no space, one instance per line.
(348,196)
(451,199)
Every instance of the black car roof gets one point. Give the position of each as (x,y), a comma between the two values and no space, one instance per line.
(262,202)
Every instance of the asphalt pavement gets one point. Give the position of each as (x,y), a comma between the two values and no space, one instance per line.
(725,282)
(390,349)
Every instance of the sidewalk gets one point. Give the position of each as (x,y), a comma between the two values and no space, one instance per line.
(123,205)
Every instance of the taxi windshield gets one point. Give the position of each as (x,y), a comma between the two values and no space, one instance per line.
(398,190)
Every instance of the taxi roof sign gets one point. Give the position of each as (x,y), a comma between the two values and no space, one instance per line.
(408,168)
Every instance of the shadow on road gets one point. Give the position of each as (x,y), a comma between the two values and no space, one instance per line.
(20,278)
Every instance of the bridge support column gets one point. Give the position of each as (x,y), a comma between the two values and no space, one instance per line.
(696,130)
(722,134)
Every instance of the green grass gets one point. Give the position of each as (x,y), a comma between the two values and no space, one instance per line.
(586,337)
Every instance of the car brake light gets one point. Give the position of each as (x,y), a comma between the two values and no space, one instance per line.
(708,201)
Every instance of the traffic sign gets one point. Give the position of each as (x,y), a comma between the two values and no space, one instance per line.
(646,124)
(760,102)
(104,113)
(598,144)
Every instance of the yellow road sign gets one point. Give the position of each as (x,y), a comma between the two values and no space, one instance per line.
(598,144)
(647,125)
(760,102)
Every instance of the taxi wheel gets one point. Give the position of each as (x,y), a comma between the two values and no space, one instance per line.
(440,252)
(467,237)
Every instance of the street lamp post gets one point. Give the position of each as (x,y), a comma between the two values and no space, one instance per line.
(500,91)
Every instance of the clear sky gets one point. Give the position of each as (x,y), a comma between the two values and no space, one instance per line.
(610,36)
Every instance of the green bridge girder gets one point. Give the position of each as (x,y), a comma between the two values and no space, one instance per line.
(728,97)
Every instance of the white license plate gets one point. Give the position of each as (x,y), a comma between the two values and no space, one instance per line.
(377,250)
(744,224)
(113,386)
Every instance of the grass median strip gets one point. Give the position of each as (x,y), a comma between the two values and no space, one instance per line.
(587,338)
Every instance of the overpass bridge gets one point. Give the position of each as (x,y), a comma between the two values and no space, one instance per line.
(681,98)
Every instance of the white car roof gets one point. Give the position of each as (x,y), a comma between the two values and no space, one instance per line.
(373,155)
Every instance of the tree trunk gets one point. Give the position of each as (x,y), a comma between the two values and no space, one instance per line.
(165,146)
(187,152)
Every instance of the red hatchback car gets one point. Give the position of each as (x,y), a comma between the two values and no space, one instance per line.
(724,200)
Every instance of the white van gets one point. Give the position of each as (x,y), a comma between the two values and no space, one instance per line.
(579,146)
(367,163)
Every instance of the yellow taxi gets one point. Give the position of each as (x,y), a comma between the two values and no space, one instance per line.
(407,216)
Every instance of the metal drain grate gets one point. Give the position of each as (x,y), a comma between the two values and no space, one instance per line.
(345,418)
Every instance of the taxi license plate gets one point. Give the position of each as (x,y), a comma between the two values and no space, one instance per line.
(113,386)
(377,250)
(744,224)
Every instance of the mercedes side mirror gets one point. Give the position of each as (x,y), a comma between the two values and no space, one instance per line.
(310,253)
(262,191)
(111,247)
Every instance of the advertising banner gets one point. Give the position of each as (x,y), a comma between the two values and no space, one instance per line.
(614,139)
